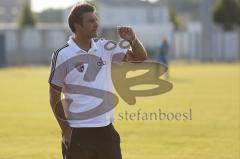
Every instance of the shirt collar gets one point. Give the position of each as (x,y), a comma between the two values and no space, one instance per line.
(76,48)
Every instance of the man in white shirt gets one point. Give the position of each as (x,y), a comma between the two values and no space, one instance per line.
(81,70)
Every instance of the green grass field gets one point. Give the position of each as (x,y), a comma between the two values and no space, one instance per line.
(29,131)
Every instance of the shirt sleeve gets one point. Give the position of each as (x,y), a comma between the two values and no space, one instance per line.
(121,49)
(58,70)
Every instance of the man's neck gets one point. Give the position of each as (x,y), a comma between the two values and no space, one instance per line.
(83,43)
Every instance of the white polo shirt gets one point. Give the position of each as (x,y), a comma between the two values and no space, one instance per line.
(61,59)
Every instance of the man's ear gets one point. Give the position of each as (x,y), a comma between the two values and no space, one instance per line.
(77,26)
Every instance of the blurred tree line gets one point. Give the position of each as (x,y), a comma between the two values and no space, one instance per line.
(27,17)
(189,7)
(227,14)
(50,16)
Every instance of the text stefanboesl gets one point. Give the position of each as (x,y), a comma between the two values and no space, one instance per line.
(156,115)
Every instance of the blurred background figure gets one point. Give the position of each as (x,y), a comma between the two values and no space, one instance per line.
(163,56)
(164,51)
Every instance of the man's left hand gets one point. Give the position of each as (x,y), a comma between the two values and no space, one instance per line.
(126,33)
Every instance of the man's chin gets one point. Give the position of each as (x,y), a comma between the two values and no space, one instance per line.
(94,35)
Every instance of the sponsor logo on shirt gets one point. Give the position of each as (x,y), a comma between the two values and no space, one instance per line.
(100,63)
(80,67)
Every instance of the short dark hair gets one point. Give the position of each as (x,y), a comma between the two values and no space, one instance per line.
(76,14)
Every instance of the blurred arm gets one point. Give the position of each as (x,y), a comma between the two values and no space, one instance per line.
(57,108)
(138,52)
